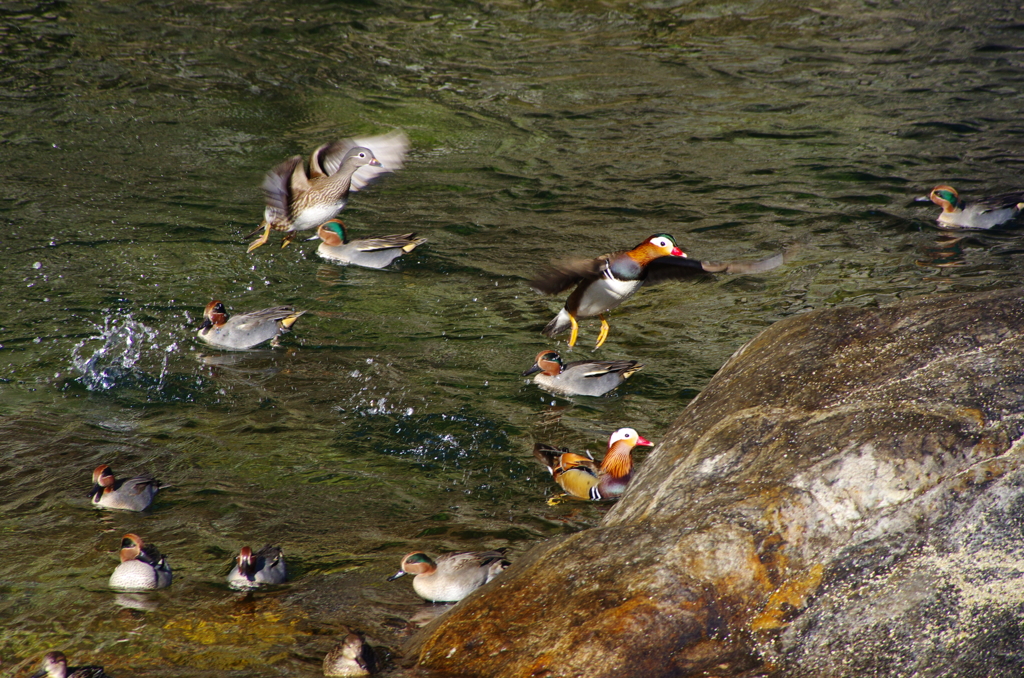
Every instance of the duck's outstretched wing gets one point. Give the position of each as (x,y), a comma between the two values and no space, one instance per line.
(389,149)
(679,268)
(277,189)
(559,276)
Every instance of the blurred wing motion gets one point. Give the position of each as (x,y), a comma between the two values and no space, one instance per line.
(389,149)
(677,268)
(558,277)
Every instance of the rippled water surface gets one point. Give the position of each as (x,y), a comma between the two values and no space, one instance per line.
(134,137)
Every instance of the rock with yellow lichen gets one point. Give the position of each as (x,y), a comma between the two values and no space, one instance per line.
(843,499)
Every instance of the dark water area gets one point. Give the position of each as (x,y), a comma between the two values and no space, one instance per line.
(133,140)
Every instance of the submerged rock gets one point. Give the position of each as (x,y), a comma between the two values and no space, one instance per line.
(844,499)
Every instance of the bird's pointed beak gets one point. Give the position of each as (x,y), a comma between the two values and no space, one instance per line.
(396,575)
(676,252)
(315,237)
(640,440)
(374,163)
(535,368)
(922,198)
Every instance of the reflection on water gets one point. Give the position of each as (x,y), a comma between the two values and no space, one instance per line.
(394,417)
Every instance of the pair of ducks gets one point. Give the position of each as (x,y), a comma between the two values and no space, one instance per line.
(352,658)
(143,568)
(600,285)
(453,576)
(300,198)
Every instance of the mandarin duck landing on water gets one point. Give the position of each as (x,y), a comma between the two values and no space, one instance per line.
(247,330)
(581,377)
(55,665)
(981,214)
(298,199)
(368,252)
(131,494)
(452,576)
(142,567)
(352,658)
(607,281)
(581,477)
(266,566)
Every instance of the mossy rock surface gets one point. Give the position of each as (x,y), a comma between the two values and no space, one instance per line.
(843,499)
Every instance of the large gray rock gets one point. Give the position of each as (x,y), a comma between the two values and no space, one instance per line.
(844,499)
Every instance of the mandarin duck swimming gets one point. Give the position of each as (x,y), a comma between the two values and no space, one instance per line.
(352,658)
(607,281)
(266,566)
(581,477)
(142,567)
(368,252)
(247,330)
(130,494)
(298,198)
(580,377)
(55,665)
(981,213)
(452,576)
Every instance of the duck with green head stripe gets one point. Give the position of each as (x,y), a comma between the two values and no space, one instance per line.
(982,213)
(367,252)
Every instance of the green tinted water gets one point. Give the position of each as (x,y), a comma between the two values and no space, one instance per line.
(134,139)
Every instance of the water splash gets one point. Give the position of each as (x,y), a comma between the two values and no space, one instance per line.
(114,357)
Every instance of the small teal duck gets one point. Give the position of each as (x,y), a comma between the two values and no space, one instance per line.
(55,665)
(352,658)
(131,494)
(606,281)
(266,566)
(368,252)
(142,567)
(452,576)
(581,477)
(581,377)
(982,213)
(298,199)
(248,330)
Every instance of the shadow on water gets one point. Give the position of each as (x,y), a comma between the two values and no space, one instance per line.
(394,417)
